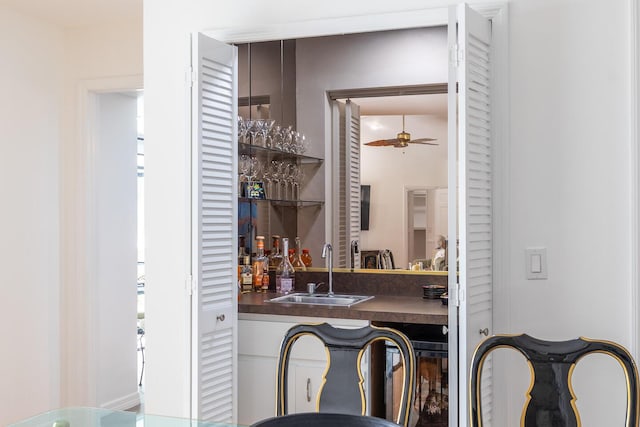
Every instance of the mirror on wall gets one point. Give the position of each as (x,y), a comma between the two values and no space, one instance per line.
(297,76)
(406,183)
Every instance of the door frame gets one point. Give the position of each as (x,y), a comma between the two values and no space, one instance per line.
(405,215)
(79,302)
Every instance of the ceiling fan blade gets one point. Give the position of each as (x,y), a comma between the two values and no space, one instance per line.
(423,143)
(420,140)
(382,142)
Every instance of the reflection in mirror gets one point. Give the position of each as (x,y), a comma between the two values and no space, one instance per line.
(408,192)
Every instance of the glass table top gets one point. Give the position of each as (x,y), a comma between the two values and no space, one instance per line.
(96,417)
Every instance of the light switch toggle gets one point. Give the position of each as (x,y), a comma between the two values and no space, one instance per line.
(536,263)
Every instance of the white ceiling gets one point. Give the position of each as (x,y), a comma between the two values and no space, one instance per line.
(78,13)
(432,104)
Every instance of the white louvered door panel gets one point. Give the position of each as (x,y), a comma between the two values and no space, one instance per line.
(214,198)
(470,49)
(346,180)
(352,181)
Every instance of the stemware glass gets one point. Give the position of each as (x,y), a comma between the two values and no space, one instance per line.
(300,143)
(297,177)
(267,178)
(242,129)
(291,171)
(254,168)
(256,129)
(283,167)
(275,178)
(287,138)
(244,165)
(266,131)
(275,137)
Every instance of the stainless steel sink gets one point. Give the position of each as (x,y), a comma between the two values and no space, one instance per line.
(321,299)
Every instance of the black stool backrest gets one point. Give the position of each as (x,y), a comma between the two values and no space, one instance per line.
(550,400)
(342,385)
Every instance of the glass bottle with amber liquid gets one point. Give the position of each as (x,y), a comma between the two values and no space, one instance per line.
(285,273)
(306,258)
(275,257)
(296,257)
(246,276)
(260,267)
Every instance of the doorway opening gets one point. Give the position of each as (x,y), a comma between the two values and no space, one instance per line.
(141,327)
(118,248)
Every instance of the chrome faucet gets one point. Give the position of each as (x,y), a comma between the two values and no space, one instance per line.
(327,252)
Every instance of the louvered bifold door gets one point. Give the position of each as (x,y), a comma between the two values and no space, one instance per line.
(214,221)
(345,186)
(352,181)
(471,58)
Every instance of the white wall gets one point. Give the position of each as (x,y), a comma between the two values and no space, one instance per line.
(43,223)
(569,180)
(30,83)
(566,188)
(97,59)
(390,171)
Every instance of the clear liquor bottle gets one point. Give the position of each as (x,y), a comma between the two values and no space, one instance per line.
(285,273)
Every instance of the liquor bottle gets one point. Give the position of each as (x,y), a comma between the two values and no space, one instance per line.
(285,273)
(306,258)
(296,259)
(265,276)
(242,252)
(275,257)
(260,266)
(246,275)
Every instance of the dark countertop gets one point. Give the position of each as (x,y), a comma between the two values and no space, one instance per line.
(382,308)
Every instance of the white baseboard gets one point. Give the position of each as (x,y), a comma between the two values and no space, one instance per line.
(125,402)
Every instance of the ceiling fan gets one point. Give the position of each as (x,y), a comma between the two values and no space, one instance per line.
(403,139)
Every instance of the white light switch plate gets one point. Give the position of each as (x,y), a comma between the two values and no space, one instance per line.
(536,263)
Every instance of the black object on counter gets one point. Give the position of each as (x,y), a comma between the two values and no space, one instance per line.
(433,291)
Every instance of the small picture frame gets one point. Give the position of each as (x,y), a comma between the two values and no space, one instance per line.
(253,190)
(369,259)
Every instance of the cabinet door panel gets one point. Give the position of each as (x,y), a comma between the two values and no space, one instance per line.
(304,387)
(257,388)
